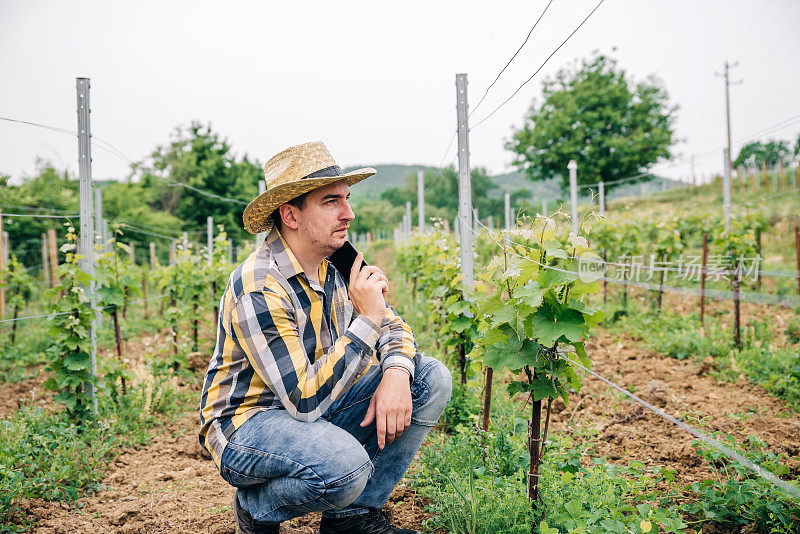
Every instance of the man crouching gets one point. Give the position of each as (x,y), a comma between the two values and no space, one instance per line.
(316,397)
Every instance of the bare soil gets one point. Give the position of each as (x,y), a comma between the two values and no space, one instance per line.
(173,486)
(627,431)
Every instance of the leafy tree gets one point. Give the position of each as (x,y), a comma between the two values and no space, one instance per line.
(49,190)
(374,215)
(198,157)
(596,116)
(772,152)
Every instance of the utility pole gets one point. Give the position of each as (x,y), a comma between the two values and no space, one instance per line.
(421,200)
(85,199)
(726,191)
(464,185)
(728,83)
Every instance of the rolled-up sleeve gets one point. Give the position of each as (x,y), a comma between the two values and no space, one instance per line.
(396,345)
(264,325)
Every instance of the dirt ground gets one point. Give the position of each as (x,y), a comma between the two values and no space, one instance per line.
(173,486)
(682,388)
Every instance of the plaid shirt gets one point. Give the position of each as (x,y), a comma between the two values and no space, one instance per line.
(285,341)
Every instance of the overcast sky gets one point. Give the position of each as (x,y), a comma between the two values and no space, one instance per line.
(373,80)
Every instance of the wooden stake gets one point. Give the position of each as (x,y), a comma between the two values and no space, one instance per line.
(174,330)
(144,294)
(758,254)
(703,278)
(45,261)
(487,398)
(797,253)
(605,282)
(534,448)
(51,244)
(216,302)
(781,178)
(737,337)
(152,255)
(766,176)
(118,340)
(741,176)
(462,361)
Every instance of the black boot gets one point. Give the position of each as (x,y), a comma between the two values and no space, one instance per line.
(373,522)
(246,523)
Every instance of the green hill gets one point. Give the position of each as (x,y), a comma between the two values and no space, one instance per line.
(396,175)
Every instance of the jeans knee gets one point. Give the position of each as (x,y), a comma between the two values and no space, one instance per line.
(438,384)
(441,384)
(354,469)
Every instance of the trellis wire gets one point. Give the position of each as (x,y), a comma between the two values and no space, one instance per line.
(708,440)
(48,315)
(760,298)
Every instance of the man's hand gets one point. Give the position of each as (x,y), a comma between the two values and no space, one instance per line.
(367,287)
(390,406)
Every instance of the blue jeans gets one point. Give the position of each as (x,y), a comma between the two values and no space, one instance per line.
(284,468)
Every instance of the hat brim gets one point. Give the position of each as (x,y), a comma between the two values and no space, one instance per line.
(256,217)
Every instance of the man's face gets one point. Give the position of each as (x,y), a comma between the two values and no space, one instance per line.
(325,216)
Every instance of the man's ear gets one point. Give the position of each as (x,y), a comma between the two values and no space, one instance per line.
(289,216)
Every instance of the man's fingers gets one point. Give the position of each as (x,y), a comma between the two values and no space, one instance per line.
(401,425)
(370,416)
(408,418)
(380,424)
(367,272)
(356,268)
(391,427)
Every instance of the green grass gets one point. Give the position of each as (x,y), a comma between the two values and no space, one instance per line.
(477,482)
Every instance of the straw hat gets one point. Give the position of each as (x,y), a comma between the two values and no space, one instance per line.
(293,172)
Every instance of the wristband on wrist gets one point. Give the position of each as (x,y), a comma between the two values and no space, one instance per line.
(401,368)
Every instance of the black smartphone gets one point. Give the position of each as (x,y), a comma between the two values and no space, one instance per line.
(343,260)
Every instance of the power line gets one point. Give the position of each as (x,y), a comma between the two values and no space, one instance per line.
(540,66)
(510,60)
(753,25)
(777,16)
(777,126)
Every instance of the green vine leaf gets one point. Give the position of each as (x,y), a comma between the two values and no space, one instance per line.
(550,323)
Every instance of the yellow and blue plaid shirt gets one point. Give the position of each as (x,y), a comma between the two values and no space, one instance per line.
(285,341)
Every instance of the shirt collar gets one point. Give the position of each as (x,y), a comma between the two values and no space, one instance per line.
(285,259)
